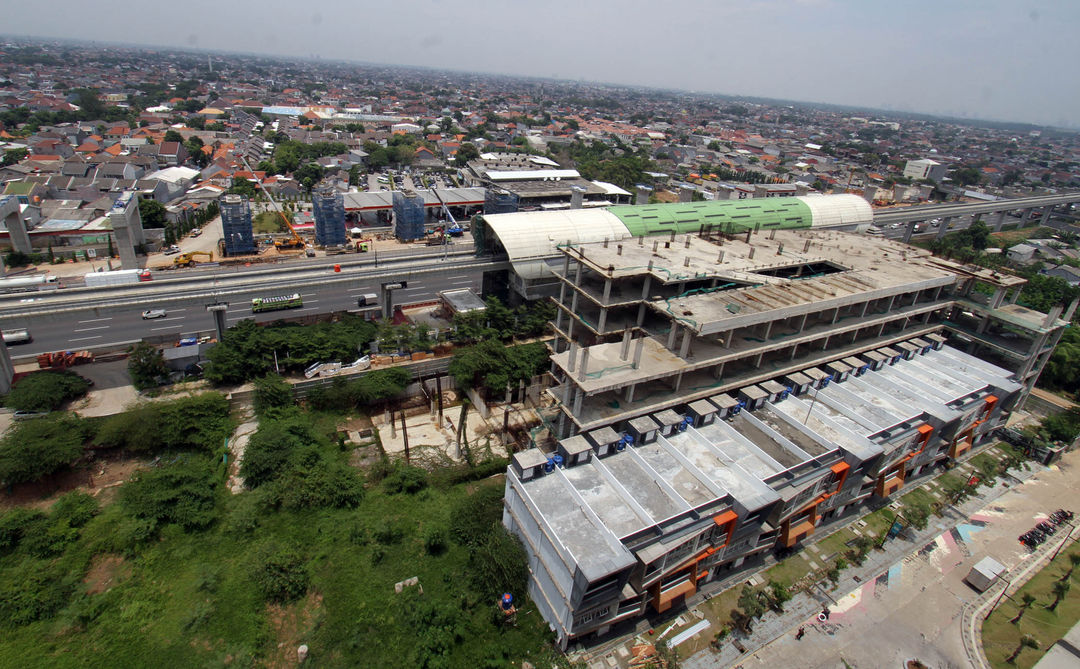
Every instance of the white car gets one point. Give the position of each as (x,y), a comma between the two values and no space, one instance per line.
(172,249)
(154,313)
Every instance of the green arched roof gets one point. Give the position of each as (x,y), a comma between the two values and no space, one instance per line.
(729,215)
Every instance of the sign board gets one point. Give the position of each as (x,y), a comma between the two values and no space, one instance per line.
(91,253)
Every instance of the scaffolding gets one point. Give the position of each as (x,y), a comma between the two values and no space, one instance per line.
(500,201)
(236,225)
(329,209)
(409,215)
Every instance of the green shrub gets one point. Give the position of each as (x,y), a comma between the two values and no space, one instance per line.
(498,565)
(38,447)
(46,390)
(406,479)
(435,541)
(19,523)
(387,533)
(321,485)
(272,391)
(182,492)
(281,574)
(200,423)
(475,516)
(34,590)
(76,508)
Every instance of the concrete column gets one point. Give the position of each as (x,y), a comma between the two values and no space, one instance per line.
(125,246)
(768,330)
(577,274)
(577,402)
(684,349)
(607,290)
(825,343)
(944,226)
(998,297)
(802,323)
(11,217)
(728,338)
(891,300)
(570,327)
(937,293)
(1015,296)
(646,287)
(7,369)
(641,314)
(835,316)
(584,364)
(628,395)
(676,382)
(1067,316)
(794,351)
(637,352)
(603,320)
(757,361)
(1052,316)
(1047,211)
(218,312)
(574,301)
(624,350)
(672,333)
(865,305)
(999,222)
(1027,216)
(909,230)
(718,371)
(572,361)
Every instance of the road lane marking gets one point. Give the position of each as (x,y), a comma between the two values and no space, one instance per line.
(100,327)
(459,283)
(87,338)
(163,320)
(168,327)
(96,320)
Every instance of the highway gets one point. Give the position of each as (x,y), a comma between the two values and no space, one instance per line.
(925,212)
(68,326)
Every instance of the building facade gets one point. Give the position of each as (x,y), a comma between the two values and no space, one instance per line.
(236,225)
(722,394)
(329,209)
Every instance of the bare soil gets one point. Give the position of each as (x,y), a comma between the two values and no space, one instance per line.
(99,477)
(105,572)
(292,624)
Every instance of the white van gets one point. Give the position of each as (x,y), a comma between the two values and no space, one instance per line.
(17,337)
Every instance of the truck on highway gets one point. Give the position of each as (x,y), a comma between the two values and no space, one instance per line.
(118,277)
(26,284)
(260,304)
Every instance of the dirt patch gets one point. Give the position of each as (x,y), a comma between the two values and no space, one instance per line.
(292,625)
(99,477)
(105,572)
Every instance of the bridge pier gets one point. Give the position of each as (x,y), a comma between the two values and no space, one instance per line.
(7,369)
(217,310)
(11,215)
(909,230)
(944,226)
(999,222)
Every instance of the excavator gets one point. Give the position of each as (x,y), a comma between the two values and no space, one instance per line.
(188,259)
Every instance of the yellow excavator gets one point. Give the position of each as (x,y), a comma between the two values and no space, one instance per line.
(188,259)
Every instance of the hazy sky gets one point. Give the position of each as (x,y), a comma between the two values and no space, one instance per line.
(992,59)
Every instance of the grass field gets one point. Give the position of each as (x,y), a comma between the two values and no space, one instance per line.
(1000,637)
(101,587)
(267,222)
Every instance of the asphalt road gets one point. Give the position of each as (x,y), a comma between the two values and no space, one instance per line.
(182,322)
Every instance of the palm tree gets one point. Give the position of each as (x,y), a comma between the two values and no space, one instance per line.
(1061,588)
(1029,599)
(1026,641)
(1074,562)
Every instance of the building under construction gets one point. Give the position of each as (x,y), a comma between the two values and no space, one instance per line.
(722,394)
(329,209)
(236,225)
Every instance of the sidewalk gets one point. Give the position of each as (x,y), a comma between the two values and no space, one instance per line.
(909,600)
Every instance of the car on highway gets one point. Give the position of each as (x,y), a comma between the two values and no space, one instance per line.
(154,313)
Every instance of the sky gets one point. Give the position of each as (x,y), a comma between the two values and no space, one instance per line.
(987,59)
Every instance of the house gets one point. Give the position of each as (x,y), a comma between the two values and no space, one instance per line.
(1066,272)
(171,154)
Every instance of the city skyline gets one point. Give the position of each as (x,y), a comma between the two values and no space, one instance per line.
(913,60)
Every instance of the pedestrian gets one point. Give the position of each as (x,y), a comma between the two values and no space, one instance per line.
(800,634)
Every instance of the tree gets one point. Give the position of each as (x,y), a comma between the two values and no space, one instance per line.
(36,448)
(281,574)
(243,187)
(272,391)
(1026,641)
(1027,600)
(182,492)
(751,605)
(146,365)
(46,390)
(466,152)
(308,175)
(12,156)
(173,136)
(1060,589)
(152,213)
(498,564)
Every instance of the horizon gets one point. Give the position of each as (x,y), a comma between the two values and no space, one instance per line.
(919,59)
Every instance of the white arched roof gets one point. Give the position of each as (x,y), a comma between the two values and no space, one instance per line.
(530,237)
(833,211)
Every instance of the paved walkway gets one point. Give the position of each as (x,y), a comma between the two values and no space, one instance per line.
(910,601)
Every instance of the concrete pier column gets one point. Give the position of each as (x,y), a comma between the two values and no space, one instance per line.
(577,402)
(628,395)
(7,369)
(637,352)
(672,333)
(684,349)
(12,220)
(571,363)
(909,230)
(603,320)
(624,350)
(584,365)
(999,221)
(607,290)
(944,226)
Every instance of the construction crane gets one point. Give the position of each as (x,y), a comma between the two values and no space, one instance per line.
(292,243)
(188,259)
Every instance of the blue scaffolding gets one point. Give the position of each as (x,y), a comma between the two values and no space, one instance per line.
(329,209)
(236,225)
(409,215)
